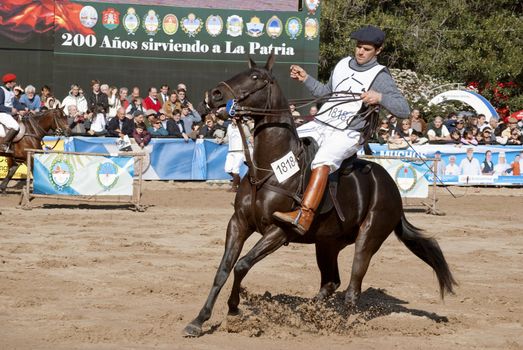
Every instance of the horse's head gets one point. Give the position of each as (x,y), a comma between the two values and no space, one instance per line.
(251,88)
(57,120)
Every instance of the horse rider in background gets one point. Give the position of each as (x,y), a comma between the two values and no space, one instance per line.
(339,128)
(9,109)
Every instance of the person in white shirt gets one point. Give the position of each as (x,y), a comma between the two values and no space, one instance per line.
(470,165)
(235,156)
(502,167)
(452,168)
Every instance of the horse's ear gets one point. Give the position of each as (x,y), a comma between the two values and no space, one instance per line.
(252,64)
(270,61)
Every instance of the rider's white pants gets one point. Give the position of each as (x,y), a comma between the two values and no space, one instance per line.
(234,161)
(8,121)
(335,145)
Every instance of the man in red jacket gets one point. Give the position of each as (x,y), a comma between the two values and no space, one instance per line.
(151,101)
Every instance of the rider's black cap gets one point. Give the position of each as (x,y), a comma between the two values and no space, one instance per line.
(369,34)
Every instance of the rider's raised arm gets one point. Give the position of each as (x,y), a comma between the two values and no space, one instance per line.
(316,88)
(391,98)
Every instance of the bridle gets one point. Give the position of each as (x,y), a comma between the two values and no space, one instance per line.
(40,132)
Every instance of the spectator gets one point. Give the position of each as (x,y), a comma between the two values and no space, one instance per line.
(293,110)
(502,168)
(164,94)
(235,155)
(487,137)
(512,125)
(208,130)
(516,169)
(120,126)
(135,93)
(156,129)
(98,122)
(114,102)
(487,167)
(468,138)
(135,105)
(163,118)
(30,99)
(452,168)
(182,95)
(47,98)
(482,121)
(438,133)
(451,121)
(515,137)
(104,89)
(181,86)
(393,124)
(18,92)
(76,120)
(417,123)
(383,136)
(172,104)
(460,125)
(470,165)
(150,114)
(455,137)
(408,134)
(97,98)
(122,95)
(176,127)
(313,111)
(141,135)
(45,93)
(139,118)
(190,116)
(76,99)
(151,101)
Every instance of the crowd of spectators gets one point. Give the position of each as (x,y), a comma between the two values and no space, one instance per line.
(107,110)
(459,129)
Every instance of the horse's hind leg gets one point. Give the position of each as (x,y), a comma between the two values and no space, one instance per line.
(270,242)
(327,260)
(372,233)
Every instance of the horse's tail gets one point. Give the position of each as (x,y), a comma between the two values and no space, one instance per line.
(428,250)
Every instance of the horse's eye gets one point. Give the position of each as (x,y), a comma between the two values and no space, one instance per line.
(254,77)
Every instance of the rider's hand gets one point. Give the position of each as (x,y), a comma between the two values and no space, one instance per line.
(371,97)
(298,73)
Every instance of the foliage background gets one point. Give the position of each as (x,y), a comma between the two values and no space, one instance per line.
(449,41)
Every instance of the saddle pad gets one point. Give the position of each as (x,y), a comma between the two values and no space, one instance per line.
(18,137)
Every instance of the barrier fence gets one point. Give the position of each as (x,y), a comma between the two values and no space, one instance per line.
(91,177)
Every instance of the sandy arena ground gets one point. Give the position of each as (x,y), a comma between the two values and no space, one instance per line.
(85,277)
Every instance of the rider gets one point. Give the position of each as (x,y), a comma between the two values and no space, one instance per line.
(9,107)
(338,126)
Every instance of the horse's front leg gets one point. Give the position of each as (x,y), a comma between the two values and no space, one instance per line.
(11,172)
(271,240)
(237,233)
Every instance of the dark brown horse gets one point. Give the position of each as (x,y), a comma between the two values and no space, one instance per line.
(368,197)
(36,127)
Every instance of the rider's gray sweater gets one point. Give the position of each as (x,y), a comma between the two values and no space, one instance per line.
(391,98)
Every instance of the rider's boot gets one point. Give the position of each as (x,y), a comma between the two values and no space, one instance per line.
(302,218)
(8,139)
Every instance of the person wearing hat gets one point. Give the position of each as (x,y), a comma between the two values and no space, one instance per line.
(340,129)
(512,125)
(156,129)
(9,107)
(502,168)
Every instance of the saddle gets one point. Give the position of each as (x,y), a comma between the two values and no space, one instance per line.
(329,200)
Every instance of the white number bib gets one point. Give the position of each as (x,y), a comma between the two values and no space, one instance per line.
(285,167)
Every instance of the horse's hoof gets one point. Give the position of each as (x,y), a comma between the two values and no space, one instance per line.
(351,299)
(320,297)
(192,331)
(234,312)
